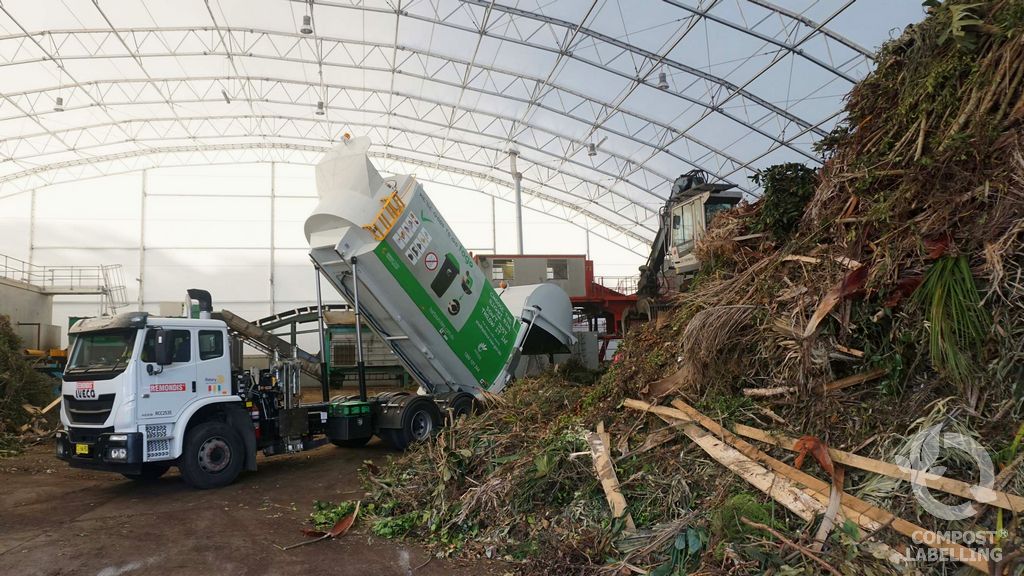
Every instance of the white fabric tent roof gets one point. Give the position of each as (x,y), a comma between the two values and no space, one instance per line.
(445,88)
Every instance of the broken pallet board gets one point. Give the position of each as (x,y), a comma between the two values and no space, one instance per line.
(51,405)
(601,454)
(867,516)
(780,489)
(953,486)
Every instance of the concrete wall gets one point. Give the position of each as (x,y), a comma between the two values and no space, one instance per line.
(25,304)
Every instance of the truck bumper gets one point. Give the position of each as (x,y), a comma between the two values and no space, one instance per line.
(101,449)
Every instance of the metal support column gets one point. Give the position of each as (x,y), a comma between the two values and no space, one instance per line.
(494,229)
(31,232)
(142,241)
(325,377)
(360,364)
(273,239)
(517,177)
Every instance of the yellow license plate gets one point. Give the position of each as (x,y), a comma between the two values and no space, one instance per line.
(82,449)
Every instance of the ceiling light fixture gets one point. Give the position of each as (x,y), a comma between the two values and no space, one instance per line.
(320,108)
(59,104)
(224,93)
(662,80)
(307,24)
(591,149)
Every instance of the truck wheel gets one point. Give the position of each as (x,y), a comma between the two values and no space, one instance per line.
(461,405)
(213,456)
(150,471)
(351,442)
(420,418)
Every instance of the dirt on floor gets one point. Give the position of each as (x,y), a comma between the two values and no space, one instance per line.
(59,520)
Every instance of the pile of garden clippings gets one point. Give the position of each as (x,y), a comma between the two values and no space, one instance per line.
(22,391)
(895,270)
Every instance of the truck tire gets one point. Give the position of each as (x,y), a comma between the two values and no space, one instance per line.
(150,471)
(213,456)
(461,405)
(420,419)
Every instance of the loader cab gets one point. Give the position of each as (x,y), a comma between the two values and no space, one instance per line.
(690,209)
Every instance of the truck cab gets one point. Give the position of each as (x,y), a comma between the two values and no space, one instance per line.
(133,388)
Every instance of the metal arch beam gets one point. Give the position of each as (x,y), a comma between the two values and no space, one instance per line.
(411,97)
(764,69)
(682,67)
(639,239)
(709,107)
(578,201)
(639,116)
(643,240)
(490,4)
(497,151)
(812,24)
(706,13)
(648,55)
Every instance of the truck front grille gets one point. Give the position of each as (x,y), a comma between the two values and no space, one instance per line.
(87,435)
(88,411)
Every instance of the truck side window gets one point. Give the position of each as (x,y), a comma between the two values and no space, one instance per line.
(211,344)
(182,340)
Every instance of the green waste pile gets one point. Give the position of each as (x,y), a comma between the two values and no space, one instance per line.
(884,297)
(19,385)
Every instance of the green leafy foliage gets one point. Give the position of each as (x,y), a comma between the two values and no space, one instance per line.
(396,526)
(787,189)
(957,323)
(684,552)
(964,22)
(19,384)
(726,524)
(326,514)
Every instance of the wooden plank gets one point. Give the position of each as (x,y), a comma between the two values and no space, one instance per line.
(862,511)
(980,494)
(606,474)
(768,392)
(799,258)
(830,387)
(855,379)
(50,406)
(780,489)
(850,351)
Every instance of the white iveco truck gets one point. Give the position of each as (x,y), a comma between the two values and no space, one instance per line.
(142,394)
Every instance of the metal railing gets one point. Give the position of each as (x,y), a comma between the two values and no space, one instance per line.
(390,210)
(106,280)
(621,284)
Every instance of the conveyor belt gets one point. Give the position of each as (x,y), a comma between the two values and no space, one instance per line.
(267,342)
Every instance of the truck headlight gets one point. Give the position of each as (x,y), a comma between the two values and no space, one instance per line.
(118,453)
(118,438)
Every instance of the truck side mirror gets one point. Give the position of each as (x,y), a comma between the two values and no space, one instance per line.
(163,349)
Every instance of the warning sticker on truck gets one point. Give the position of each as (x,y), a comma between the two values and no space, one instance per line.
(451,291)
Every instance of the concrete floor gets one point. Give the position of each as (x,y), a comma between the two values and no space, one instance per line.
(58,520)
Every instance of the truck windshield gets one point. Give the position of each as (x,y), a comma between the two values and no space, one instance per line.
(105,351)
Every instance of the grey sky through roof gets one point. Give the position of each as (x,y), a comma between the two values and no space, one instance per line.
(444,88)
